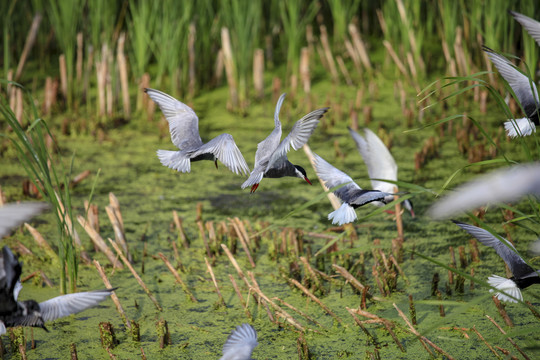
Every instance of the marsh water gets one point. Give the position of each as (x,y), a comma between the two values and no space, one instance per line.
(122,159)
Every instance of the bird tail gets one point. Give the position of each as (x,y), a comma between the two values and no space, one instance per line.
(506,287)
(519,127)
(344,215)
(176,160)
(254,178)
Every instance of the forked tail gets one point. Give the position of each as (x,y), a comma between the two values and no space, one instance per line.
(175,160)
(344,215)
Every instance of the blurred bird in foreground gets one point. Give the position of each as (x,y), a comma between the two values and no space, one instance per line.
(240,343)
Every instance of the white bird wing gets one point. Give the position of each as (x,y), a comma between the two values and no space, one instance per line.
(65,305)
(240,343)
(183,122)
(333,177)
(298,136)
(379,161)
(224,148)
(14,214)
(503,185)
(517,81)
(532,26)
(508,253)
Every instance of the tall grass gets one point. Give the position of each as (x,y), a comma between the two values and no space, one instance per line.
(102,16)
(343,12)
(50,178)
(65,17)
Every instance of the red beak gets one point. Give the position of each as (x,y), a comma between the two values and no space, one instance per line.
(254,187)
(309,182)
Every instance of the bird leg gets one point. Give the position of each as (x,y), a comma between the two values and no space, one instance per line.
(215,163)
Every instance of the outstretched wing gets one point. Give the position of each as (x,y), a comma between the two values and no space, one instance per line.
(517,81)
(532,26)
(224,148)
(65,305)
(298,136)
(183,122)
(380,163)
(14,214)
(240,343)
(333,177)
(508,253)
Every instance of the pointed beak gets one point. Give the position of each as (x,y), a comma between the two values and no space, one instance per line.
(412,213)
(309,182)
(253,188)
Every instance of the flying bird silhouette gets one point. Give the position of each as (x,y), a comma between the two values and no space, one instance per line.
(240,343)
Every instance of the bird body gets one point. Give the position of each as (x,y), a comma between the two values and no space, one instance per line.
(526,93)
(380,164)
(30,312)
(352,195)
(523,275)
(240,343)
(184,129)
(271,156)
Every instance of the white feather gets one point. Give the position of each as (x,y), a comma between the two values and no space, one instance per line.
(519,127)
(344,215)
(2,328)
(174,160)
(240,343)
(506,287)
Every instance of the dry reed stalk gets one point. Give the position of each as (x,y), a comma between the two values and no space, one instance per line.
(114,298)
(359,323)
(42,243)
(79,178)
(235,265)
(101,72)
(229,66)
(180,228)
(192,35)
(312,274)
(258,73)
(399,222)
(400,270)
(115,204)
(80,55)
(352,280)
(359,46)
(178,278)
(240,297)
(314,298)
(28,44)
(396,59)
(462,257)
(218,67)
(508,338)
(99,242)
(162,329)
(423,340)
(344,70)
(63,75)
(300,312)
(328,54)
(209,225)
(533,310)
(304,70)
(118,233)
(73,351)
(109,95)
(135,275)
(441,307)
(386,323)
(203,237)
(92,215)
(19,102)
(502,311)
(72,231)
(485,342)
(242,241)
(123,70)
(220,297)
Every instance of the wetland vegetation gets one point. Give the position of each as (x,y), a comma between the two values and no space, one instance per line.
(412,71)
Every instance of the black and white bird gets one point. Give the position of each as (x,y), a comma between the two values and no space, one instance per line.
(271,157)
(526,92)
(30,312)
(14,214)
(240,343)
(184,129)
(352,195)
(499,186)
(524,275)
(380,164)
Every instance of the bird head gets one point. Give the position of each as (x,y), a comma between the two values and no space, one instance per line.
(301,173)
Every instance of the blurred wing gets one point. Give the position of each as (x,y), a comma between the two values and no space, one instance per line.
(503,185)
(333,177)
(517,81)
(65,305)
(532,26)
(14,214)
(508,253)
(10,285)
(240,343)
(380,163)
(278,109)
(183,122)
(224,148)
(298,136)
